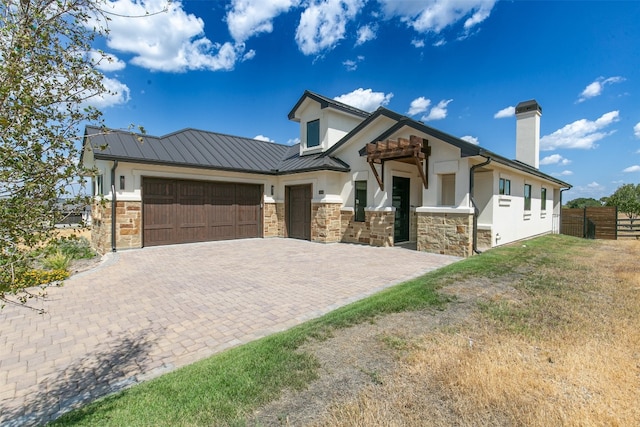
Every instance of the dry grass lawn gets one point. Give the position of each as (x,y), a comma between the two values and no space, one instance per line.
(559,346)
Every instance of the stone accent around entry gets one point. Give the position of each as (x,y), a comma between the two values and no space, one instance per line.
(447,232)
(325,222)
(128,227)
(273,219)
(353,231)
(381,223)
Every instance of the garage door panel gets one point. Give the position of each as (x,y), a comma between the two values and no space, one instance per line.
(159,211)
(191,214)
(177,211)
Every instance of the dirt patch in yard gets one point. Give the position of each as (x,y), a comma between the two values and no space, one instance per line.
(540,347)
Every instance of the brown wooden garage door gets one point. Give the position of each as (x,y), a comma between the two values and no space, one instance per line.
(176,211)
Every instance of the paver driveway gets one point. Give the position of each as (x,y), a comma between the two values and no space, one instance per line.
(146,312)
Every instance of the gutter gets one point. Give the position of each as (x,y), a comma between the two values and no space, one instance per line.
(476,211)
(113,206)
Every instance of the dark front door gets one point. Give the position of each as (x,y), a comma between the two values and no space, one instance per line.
(400,201)
(299,212)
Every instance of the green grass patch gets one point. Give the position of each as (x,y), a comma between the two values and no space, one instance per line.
(226,388)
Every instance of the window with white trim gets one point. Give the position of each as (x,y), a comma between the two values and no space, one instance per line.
(313,133)
(360,200)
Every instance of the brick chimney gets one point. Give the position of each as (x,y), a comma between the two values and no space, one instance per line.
(528,133)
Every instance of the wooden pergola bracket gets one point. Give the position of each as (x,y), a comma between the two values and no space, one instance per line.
(375,173)
(414,148)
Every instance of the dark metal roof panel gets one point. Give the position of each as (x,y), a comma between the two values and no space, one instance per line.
(188,147)
(293,162)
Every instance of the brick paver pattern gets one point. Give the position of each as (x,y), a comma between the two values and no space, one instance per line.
(148,311)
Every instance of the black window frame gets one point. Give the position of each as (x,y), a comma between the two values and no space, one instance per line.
(359,201)
(527,197)
(313,129)
(504,187)
(543,199)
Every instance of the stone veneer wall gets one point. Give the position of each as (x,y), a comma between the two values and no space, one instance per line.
(381,225)
(353,231)
(128,225)
(484,239)
(445,233)
(274,220)
(413,226)
(325,222)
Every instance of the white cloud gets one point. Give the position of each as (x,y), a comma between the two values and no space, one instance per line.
(436,15)
(365,99)
(352,65)
(263,138)
(249,55)
(116,93)
(509,111)
(246,18)
(438,112)
(293,141)
(365,34)
(636,130)
(418,106)
(555,159)
(634,168)
(439,43)
(323,24)
(596,88)
(471,139)
(105,61)
(171,41)
(580,134)
(595,185)
(563,173)
(417,43)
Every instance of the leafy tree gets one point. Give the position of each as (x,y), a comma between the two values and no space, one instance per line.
(627,199)
(46,78)
(583,202)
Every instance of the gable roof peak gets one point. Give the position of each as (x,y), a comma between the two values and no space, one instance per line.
(326,102)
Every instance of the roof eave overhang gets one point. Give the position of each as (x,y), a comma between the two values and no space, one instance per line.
(181,165)
(523,168)
(315,169)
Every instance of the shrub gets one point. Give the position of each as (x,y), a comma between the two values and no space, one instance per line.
(32,278)
(57,261)
(73,247)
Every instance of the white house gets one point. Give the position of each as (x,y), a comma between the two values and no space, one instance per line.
(376,178)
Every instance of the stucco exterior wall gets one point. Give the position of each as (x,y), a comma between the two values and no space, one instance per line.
(510,221)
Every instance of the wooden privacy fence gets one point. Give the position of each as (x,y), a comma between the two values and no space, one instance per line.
(591,223)
(599,223)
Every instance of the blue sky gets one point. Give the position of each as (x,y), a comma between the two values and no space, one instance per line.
(239,66)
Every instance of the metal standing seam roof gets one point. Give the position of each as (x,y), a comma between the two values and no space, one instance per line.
(203,149)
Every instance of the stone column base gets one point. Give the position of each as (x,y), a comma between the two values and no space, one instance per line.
(447,233)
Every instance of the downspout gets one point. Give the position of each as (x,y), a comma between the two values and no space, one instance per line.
(560,213)
(476,211)
(113,206)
